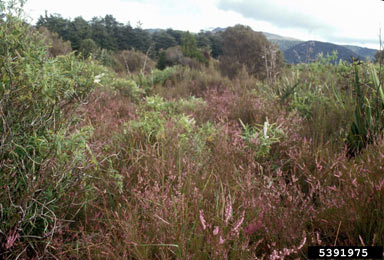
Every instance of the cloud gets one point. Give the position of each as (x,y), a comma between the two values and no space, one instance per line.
(341,21)
(350,21)
(279,14)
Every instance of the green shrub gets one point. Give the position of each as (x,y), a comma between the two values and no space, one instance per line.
(127,87)
(157,77)
(41,162)
(88,47)
(261,138)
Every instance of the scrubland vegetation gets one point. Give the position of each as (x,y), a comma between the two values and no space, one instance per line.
(204,159)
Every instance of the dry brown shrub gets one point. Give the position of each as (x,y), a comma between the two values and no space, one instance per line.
(56,45)
(131,61)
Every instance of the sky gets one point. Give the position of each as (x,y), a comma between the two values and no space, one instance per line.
(354,22)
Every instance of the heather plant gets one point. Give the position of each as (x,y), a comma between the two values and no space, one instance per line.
(195,182)
(183,163)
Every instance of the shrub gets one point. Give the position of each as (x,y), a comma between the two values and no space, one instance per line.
(127,87)
(261,138)
(88,47)
(56,45)
(42,156)
(244,47)
(175,56)
(131,61)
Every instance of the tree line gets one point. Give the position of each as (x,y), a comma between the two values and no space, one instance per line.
(107,33)
(235,48)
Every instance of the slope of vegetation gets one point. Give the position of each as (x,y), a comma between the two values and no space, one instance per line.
(306,52)
(188,161)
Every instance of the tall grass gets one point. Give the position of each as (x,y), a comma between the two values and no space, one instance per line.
(368,116)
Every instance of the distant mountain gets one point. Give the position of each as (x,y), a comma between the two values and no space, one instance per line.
(271,36)
(362,52)
(298,51)
(218,29)
(285,44)
(305,52)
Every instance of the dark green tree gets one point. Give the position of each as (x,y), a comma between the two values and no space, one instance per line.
(101,35)
(141,40)
(162,62)
(163,40)
(55,23)
(188,44)
(176,34)
(124,37)
(202,39)
(189,48)
(216,44)
(79,29)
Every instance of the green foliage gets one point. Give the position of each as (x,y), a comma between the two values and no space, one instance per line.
(106,32)
(162,62)
(328,59)
(368,121)
(39,161)
(88,47)
(127,87)
(163,40)
(157,77)
(102,31)
(188,44)
(210,41)
(161,76)
(261,138)
(131,174)
(189,48)
(155,115)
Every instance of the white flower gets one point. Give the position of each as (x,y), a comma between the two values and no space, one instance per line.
(98,78)
(266,125)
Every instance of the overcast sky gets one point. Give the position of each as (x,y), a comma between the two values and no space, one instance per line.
(354,22)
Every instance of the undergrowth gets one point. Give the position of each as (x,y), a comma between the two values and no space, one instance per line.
(184,163)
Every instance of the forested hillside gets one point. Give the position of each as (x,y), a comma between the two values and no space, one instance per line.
(109,34)
(121,143)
